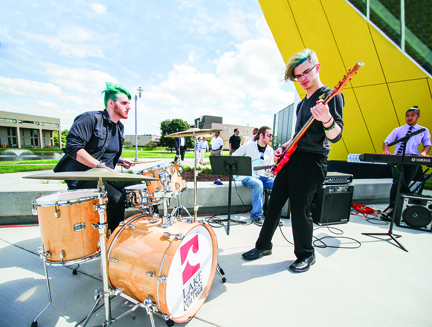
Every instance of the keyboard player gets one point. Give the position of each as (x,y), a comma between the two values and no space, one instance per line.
(411,117)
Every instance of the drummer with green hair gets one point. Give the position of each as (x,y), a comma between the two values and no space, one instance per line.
(95,140)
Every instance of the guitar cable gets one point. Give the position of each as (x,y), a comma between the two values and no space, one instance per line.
(319,243)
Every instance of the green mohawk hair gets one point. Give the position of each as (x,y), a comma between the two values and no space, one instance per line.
(111,92)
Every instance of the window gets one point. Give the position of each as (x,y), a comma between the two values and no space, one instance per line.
(9,120)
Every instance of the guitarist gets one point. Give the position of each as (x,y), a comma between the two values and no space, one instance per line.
(261,153)
(306,169)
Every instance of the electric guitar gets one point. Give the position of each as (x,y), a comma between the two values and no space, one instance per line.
(255,167)
(292,145)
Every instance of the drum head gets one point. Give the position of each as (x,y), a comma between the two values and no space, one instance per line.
(66,197)
(191,274)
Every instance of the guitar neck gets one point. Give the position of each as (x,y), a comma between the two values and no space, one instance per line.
(262,167)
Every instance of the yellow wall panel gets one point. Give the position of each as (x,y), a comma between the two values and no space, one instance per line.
(376,106)
(338,151)
(396,66)
(355,134)
(354,42)
(318,37)
(412,93)
(282,24)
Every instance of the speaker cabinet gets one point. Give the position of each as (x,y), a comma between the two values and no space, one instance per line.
(415,212)
(332,204)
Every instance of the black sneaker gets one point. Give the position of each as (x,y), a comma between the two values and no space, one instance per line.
(258,221)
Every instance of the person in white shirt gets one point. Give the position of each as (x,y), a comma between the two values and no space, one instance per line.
(216,145)
(261,154)
(203,150)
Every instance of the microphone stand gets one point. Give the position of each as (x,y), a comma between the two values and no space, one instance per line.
(401,174)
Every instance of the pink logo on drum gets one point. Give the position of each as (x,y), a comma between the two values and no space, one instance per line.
(189,253)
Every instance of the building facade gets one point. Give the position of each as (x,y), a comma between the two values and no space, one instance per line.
(226,130)
(284,125)
(28,131)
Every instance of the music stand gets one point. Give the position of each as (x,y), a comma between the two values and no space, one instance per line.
(401,171)
(223,165)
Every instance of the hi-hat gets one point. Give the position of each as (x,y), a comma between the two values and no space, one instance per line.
(92,175)
(193,132)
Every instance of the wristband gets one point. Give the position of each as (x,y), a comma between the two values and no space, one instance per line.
(328,120)
(328,129)
(283,148)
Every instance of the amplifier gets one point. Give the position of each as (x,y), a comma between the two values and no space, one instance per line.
(414,212)
(332,204)
(337,178)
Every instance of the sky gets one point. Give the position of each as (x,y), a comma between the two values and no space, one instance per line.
(191,58)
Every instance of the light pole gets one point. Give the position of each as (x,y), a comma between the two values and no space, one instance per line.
(136,122)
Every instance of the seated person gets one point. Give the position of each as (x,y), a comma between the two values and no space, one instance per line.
(261,153)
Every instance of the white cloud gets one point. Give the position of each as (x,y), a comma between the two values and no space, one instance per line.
(99,9)
(48,105)
(72,41)
(18,86)
(79,79)
(186,82)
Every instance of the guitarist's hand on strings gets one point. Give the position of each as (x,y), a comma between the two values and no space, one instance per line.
(280,150)
(322,113)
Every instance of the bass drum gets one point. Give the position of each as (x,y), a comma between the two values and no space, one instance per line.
(173,266)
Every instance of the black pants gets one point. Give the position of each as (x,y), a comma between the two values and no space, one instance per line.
(181,154)
(298,180)
(409,172)
(116,199)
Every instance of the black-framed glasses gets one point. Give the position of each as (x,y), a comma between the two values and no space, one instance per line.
(269,135)
(307,71)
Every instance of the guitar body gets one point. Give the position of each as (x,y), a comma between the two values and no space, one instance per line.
(284,159)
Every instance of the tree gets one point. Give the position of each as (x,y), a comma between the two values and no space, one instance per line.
(64,133)
(173,126)
(151,145)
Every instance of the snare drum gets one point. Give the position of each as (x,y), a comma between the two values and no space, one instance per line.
(137,196)
(65,222)
(173,266)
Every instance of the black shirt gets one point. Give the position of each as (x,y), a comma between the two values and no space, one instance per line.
(235,142)
(113,147)
(315,140)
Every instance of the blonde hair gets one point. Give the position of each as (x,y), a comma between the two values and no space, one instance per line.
(296,60)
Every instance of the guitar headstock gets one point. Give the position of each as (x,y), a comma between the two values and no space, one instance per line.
(351,72)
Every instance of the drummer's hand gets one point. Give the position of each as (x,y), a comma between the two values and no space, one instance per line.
(126,163)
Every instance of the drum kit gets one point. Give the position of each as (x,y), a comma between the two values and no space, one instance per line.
(163,265)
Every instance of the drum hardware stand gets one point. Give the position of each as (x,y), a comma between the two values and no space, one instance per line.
(220,272)
(44,255)
(177,211)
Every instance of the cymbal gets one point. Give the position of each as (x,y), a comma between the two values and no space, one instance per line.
(194,132)
(92,175)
